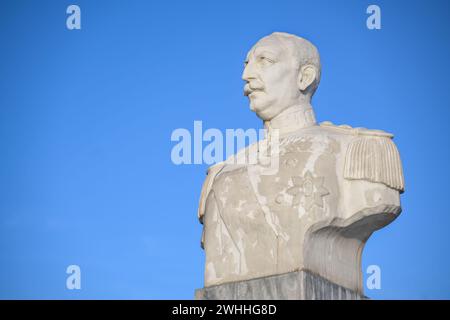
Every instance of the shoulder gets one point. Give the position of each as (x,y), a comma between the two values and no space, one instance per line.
(211,173)
(354,131)
(371,155)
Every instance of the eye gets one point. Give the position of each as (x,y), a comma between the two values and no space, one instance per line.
(266,59)
(245,63)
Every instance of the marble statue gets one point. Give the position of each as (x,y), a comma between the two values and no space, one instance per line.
(333,187)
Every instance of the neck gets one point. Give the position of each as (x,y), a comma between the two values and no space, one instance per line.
(294,118)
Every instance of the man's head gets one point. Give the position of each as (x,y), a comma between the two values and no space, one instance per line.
(281,70)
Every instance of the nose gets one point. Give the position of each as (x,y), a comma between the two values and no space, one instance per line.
(249,72)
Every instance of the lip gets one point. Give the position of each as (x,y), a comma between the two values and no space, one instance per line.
(249,92)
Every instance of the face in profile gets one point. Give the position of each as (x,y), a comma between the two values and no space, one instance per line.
(271,76)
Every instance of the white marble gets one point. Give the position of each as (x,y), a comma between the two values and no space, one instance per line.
(333,186)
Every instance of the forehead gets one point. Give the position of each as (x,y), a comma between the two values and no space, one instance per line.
(270,45)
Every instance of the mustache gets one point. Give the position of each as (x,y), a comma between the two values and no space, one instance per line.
(252,86)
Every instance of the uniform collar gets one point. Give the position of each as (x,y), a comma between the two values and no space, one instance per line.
(292,119)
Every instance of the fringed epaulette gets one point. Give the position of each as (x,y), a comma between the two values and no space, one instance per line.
(372,156)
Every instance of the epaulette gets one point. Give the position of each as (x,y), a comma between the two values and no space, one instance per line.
(371,155)
(344,128)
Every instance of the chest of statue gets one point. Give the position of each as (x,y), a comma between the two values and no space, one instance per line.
(266,209)
(258,216)
(301,183)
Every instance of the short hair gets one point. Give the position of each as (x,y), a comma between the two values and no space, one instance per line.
(303,51)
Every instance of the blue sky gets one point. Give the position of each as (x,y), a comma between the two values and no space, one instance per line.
(86,118)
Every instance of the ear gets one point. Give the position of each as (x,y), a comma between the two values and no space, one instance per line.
(306,76)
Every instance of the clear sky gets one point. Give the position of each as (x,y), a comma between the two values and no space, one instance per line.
(86,117)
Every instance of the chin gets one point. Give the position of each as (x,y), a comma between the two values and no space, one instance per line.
(261,110)
(263,114)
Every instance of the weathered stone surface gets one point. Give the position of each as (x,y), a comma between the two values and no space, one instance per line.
(314,198)
(299,285)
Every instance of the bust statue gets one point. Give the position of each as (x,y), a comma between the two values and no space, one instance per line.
(333,187)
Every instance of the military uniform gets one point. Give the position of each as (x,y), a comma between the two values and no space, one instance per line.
(331,188)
